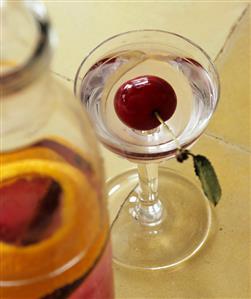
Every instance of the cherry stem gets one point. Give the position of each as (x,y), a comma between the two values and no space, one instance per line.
(169,130)
(190,154)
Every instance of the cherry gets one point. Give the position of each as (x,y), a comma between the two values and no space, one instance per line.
(138,99)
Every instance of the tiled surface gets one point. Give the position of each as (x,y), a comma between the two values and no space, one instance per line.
(82,25)
(232,118)
(222,269)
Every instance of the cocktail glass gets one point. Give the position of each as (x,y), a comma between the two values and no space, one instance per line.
(162,218)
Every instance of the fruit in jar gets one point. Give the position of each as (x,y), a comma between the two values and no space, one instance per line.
(22,260)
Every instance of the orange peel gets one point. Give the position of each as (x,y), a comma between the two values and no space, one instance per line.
(31,153)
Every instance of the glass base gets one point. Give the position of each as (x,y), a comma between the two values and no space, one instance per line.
(182,232)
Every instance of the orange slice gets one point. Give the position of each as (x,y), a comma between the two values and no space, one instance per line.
(31,153)
(63,257)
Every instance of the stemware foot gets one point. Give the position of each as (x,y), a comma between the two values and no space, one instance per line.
(182,231)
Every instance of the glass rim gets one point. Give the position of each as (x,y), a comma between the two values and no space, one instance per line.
(149,30)
(115,145)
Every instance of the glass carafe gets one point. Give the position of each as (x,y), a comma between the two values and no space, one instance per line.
(54,234)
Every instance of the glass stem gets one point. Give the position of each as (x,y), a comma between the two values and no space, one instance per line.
(149,210)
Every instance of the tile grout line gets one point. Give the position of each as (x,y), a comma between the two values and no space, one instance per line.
(62,76)
(231,32)
(227,143)
(221,51)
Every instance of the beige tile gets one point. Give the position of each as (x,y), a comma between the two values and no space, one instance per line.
(222,268)
(114,164)
(232,118)
(82,25)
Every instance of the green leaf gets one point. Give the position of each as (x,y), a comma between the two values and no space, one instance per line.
(209,182)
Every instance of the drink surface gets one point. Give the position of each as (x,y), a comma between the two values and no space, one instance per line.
(53,238)
(190,81)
